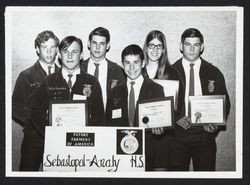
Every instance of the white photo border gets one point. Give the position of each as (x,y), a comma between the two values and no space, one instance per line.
(238,95)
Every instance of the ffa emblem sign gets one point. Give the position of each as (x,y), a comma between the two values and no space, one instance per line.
(87,90)
(210,86)
(129,141)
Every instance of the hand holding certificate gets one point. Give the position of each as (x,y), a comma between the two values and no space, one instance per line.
(156,112)
(68,113)
(205,110)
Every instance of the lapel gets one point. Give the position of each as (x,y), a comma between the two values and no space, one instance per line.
(39,70)
(203,76)
(143,90)
(109,75)
(181,70)
(57,69)
(142,95)
(84,65)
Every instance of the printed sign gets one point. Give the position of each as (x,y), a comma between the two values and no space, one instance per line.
(108,149)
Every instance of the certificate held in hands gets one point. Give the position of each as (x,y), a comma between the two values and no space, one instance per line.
(207,110)
(68,113)
(157,112)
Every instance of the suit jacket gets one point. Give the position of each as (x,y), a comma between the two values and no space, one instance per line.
(115,74)
(27,82)
(55,87)
(212,82)
(119,100)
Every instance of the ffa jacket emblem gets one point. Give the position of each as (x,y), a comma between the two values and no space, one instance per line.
(129,144)
(210,86)
(87,90)
(113,83)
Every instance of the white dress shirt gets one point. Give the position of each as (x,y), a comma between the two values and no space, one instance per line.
(137,87)
(197,82)
(103,73)
(45,67)
(65,74)
(152,69)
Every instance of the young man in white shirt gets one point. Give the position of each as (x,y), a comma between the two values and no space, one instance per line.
(122,104)
(65,84)
(108,73)
(199,78)
(46,45)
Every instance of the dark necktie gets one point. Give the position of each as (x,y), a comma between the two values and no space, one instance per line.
(49,70)
(191,80)
(131,112)
(70,81)
(96,74)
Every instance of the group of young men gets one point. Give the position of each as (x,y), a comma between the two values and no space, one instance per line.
(108,88)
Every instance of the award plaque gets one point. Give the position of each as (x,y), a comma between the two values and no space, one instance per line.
(207,110)
(157,112)
(68,113)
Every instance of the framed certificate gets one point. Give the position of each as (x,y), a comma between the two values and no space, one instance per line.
(68,113)
(207,109)
(156,112)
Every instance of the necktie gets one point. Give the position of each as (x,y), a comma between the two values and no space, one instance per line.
(131,112)
(49,70)
(96,74)
(191,80)
(70,81)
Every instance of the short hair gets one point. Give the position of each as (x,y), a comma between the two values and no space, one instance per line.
(132,49)
(67,41)
(192,32)
(45,36)
(101,32)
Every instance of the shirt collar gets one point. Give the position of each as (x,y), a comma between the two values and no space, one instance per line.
(187,63)
(101,62)
(65,72)
(137,80)
(45,65)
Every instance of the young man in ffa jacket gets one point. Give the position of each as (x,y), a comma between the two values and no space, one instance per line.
(108,73)
(29,80)
(199,78)
(122,102)
(69,82)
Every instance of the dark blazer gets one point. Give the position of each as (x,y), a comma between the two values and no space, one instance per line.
(208,74)
(115,74)
(27,82)
(119,100)
(54,87)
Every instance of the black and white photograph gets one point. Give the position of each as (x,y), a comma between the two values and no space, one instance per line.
(111,58)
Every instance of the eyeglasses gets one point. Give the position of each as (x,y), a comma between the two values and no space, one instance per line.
(152,46)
